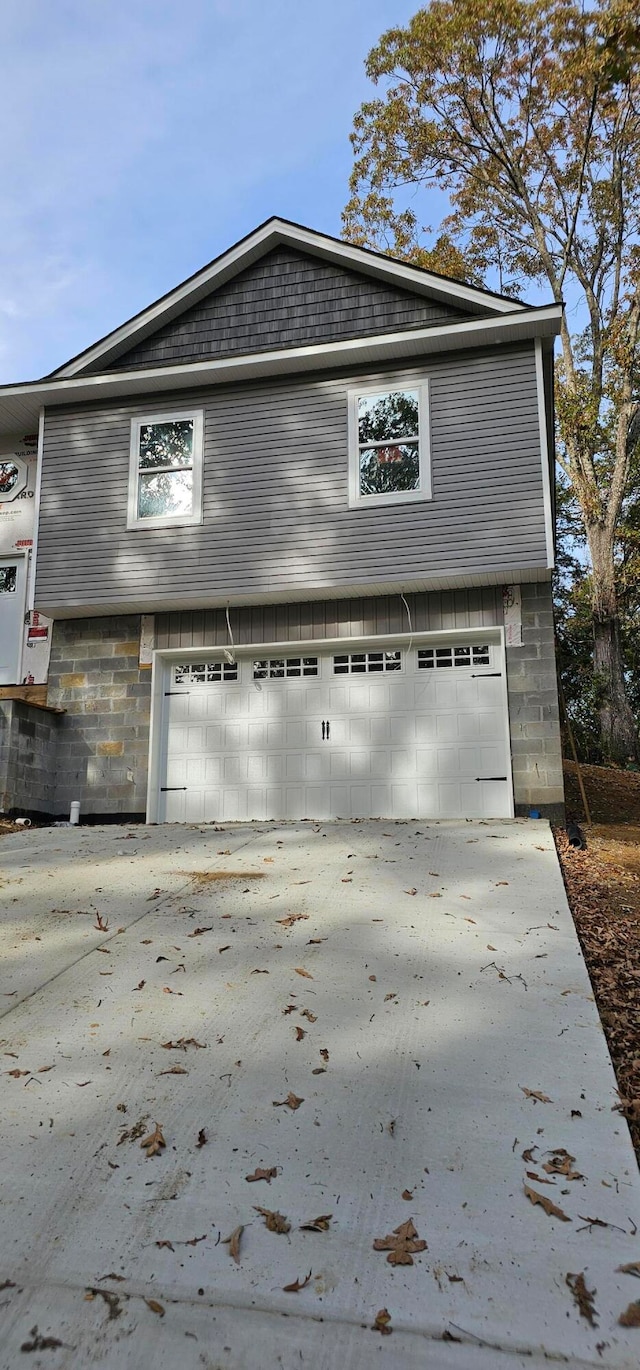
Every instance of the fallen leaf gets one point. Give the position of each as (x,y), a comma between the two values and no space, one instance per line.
(102,924)
(346,880)
(174,1070)
(297,1285)
(407,1194)
(260,1174)
(490,948)
(197,932)
(15,1074)
(301,971)
(632,1268)
(583,1297)
(300,1034)
(502,882)
(259,972)
(373,978)
(469,920)
(545,1203)
(268,860)
(292,1101)
(82,1084)
(227,948)
(166,990)
(413,891)
(536,1095)
(382,1322)
(316,941)
(437,895)
(402,1244)
(154,1143)
(202,1138)
(292,918)
(320,1224)
(389,996)
(324,1053)
(169,1245)
(311,1017)
(291,1008)
(233,1242)
(561,1164)
(631,1316)
(539,1179)
(40,1343)
(155,1307)
(319,1070)
(182,1044)
(141,985)
(276,1222)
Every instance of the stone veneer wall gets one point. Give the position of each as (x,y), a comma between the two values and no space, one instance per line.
(104,742)
(28,759)
(533,709)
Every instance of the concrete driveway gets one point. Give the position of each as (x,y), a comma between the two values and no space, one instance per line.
(393,1021)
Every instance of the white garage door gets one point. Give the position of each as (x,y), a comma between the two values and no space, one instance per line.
(348,734)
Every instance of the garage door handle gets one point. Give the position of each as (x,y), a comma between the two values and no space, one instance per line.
(164,789)
(485,675)
(326,729)
(489,777)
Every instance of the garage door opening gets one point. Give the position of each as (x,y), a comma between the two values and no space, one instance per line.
(403,731)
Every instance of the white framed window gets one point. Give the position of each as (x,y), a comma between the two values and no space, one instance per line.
(288,667)
(389,452)
(165,473)
(430,658)
(205,673)
(367,663)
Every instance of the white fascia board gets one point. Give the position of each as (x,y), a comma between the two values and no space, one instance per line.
(238,258)
(412,343)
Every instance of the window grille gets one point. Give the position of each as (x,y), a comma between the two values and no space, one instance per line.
(430,657)
(360,663)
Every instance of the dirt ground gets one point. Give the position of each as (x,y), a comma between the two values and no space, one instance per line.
(603,887)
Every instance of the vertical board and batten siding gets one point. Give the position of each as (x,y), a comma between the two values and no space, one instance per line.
(288,299)
(276,515)
(381,615)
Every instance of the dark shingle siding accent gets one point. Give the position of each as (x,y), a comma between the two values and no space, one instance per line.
(287,299)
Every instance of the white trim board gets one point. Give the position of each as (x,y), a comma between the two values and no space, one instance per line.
(275,233)
(545,456)
(20,404)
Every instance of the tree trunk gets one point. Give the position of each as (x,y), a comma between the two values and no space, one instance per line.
(618,731)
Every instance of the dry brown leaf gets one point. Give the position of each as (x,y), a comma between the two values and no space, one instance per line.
(155,1307)
(300,1034)
(545,1203)
(583,1297)
(259,972)
(324,1053)
(502,882)
(292,1101)
(169,1245)
(389,996)
(174,1070)
(373,978)
(382,1322)
(311,1017)
(632,1268)
(166,990)
(297,1285)
(320,1224)
(402,1244)
(233,1242)
(202,1138)
(15,1074)
(469,920)
(536,1095)
(561,1164)
(631,1316)
(407,1194)
(182,1044)
(276,1222)
(539,1179)
(227,948)
(437,895)
(140,985)
(101,924)
(316,941)
(154,1143)
(292,918)
(411,891)
(291,1008)
(306,973)
(197,932)
(261,1174)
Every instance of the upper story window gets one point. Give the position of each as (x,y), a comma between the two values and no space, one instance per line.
(389,445)
(165,480)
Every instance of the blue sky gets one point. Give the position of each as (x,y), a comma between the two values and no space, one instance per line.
(143,137)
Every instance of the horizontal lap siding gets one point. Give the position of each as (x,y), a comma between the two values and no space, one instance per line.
(275,492)
(288,299)
(319,619)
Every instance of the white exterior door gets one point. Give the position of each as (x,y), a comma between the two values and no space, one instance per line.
(12,601)
(348,734)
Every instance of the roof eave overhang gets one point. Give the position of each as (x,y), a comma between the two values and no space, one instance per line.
(273,234)
(20,405)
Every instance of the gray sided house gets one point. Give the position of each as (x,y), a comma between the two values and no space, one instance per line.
(295,537)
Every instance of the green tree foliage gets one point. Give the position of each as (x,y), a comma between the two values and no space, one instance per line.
(526,113)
